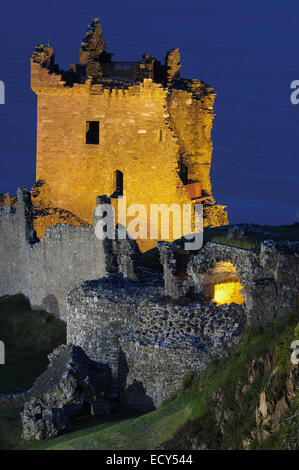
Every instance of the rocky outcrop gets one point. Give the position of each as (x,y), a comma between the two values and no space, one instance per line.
(274,400)
(73,385)
(273,403)
(173,65)
(254,407)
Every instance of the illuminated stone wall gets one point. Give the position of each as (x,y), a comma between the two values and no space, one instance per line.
(75,172)
(222,284)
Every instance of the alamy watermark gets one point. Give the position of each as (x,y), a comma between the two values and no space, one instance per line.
(153,225)
(295,94)
(2,92)
(2,353)
(295,353)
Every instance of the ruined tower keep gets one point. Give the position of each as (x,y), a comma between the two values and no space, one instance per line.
(137,130)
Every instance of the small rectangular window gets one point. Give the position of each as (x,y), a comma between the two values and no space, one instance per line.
(160,135)
(183,172)
(93,132)
(118,183)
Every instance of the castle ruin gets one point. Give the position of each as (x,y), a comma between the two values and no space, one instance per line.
(151,328)
(136,130)
(128,129)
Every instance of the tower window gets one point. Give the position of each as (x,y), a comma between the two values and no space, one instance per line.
(93,132)
(183,172)
(119,182)
(160,135)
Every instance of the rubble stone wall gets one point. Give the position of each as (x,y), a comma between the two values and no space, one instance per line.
(151,340)
(149,344)
(270,276)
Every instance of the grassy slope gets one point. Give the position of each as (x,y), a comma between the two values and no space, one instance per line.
(172,422)
(252,240)
(28,337)
(275,338)
(173,418)
(121,430)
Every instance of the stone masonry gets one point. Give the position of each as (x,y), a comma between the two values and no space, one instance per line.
(45,271)
(152,126)
(149,342)
(152,333)
(151,329)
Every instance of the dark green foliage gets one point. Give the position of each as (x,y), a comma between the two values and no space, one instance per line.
(188,379)
(275,338)
(29,336)
(253,236)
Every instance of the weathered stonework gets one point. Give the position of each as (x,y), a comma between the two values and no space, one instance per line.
(127,318)
(152,335)
(44,213)
(154,127)
(270,277)
(45,271)
(71,386)
(149,333)
(150,344)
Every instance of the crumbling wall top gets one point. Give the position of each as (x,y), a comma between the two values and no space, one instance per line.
(173,65)
(95,63)
(44,56)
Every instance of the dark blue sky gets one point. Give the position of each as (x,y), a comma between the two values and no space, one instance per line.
(247,50)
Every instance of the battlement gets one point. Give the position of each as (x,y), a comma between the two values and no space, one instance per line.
(96,67)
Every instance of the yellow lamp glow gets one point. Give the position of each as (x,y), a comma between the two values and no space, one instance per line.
(227,293)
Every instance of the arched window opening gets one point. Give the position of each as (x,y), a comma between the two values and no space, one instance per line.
(222,285)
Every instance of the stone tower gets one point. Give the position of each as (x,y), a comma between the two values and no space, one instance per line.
(137,130)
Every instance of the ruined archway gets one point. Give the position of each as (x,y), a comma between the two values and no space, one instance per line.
(221,284)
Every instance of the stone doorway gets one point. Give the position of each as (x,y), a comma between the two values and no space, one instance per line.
(221,284)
